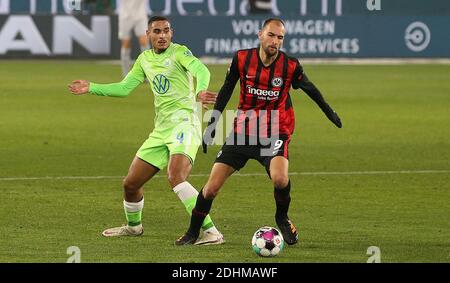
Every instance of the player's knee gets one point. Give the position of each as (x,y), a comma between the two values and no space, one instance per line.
(210,192)
(130,186)
(280,181)
(175,178)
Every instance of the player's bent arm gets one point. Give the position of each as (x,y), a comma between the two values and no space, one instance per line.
(201,73)
(191,63)
(221,102)
(228,86)
(223,97)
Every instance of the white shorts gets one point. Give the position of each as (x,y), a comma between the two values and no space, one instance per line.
(139,25)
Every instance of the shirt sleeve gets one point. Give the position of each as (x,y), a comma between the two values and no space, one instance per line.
(184,56)
(223,97)
(298,76)
(201,73)
(121,89)
(301,80)
(228,86)
(225,93)
(191,63)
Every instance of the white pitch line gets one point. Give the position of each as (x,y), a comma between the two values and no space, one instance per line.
(237,175)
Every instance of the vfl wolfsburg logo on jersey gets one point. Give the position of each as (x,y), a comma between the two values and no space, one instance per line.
(161,84)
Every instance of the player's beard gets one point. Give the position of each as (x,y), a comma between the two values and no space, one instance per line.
(270,52)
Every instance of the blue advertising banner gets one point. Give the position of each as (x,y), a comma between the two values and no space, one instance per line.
(231,8)
(213,28)
(352,36)
(311,37)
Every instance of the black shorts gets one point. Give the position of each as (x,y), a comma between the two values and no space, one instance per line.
(236,154)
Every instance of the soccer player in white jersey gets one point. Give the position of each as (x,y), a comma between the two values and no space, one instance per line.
(169,68)
(132,18)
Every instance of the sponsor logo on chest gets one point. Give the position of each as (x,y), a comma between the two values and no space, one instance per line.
(263,94)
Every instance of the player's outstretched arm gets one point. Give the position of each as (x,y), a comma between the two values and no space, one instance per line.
(79,87)
(121,89)
(313,92)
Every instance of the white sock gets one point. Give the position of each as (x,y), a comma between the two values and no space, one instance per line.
(186,191)
(125,58)
(134,207)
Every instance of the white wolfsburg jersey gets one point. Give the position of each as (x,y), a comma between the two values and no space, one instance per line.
(132,9)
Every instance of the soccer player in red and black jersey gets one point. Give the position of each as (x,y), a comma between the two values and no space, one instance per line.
(265,111)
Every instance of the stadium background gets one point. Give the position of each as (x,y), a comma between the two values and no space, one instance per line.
(383,180)
(331,28)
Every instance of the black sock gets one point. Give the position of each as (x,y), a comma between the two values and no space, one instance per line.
(282,201)
(200,211)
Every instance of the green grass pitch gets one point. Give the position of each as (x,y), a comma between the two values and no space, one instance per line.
(396,123)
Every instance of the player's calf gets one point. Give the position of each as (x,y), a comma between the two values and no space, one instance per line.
(282,200)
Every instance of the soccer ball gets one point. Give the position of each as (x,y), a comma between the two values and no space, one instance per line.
(267,242)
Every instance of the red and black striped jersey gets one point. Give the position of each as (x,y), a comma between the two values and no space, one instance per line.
(265,106)
(264,92)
